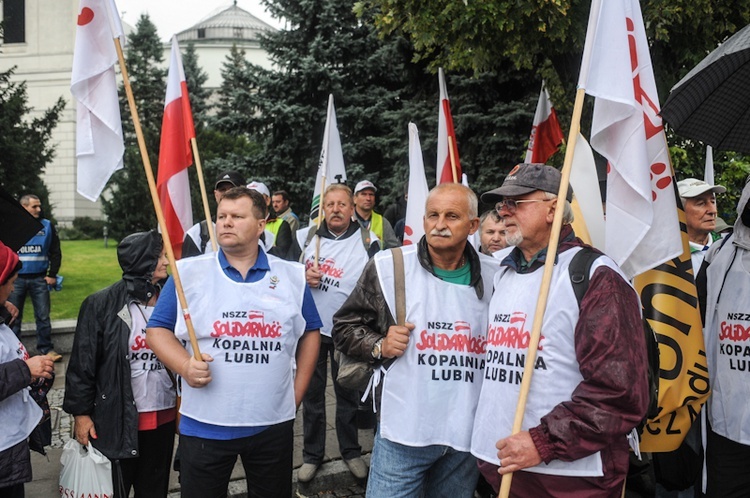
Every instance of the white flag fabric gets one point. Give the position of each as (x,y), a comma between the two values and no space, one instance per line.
(414,222)
(708,176)
(642,229)
(585,183)
(331,167)
(99,143)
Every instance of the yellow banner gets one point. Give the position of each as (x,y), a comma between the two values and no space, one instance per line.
(670,303)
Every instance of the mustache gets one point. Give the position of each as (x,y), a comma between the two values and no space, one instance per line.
(445,232)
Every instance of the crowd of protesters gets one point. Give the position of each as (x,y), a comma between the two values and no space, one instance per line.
(272,304)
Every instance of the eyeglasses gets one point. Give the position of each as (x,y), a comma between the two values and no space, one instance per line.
(512,204)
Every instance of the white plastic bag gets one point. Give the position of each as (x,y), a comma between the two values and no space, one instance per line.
(84,472)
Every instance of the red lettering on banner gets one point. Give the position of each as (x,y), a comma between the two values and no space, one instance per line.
(455,342)
(651,121)
(140,343)
(327,266)
(248,329)
(513,336)
(734,332)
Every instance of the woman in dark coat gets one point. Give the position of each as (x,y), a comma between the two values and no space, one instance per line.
(19,414)
(122,396)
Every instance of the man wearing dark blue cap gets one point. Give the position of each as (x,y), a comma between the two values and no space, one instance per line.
(589,388)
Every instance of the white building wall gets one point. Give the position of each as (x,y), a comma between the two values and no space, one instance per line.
(45,62)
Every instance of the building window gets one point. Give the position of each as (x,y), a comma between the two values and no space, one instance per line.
(201,32)
(14,21)
(238,32)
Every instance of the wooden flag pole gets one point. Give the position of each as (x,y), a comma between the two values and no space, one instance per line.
(452,153)
(320,219)
(204,197)
(157,203)
(549,265)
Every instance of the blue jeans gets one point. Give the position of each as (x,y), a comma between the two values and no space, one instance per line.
(37,290)
(397,470)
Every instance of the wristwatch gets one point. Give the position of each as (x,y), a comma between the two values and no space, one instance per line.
(377,351)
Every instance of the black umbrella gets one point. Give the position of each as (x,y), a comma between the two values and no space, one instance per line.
(712,103)
(17,225)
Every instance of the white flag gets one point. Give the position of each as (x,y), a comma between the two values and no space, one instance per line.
(414,222)
(585,183)
(99,144)
(331,167)
(708,176)
(642,230)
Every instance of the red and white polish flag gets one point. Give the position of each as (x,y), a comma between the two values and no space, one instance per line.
(175,153)
(546,134)
(446,138)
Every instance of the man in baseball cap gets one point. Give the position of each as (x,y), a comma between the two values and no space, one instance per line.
(580,407)
(227,180)
(197,238)
(526,178)
(699,201)
(364,213)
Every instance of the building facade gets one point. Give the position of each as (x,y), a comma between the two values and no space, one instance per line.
(39,37)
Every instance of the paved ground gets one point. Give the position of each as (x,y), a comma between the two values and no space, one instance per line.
(333,479)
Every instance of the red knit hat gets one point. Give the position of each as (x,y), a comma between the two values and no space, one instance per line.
(8,262)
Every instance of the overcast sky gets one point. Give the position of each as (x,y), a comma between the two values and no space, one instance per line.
(173,16)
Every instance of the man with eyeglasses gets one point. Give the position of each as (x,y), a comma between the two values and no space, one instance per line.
(589,388)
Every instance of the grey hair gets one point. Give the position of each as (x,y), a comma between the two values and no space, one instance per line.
(26,199)
(471,197)
(567,208)
(490,213)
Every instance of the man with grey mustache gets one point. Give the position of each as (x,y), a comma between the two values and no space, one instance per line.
(430,392)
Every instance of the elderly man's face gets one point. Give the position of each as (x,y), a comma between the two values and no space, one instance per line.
(528,225)
(492,235)
(338,209)
(447,223)
(700,215)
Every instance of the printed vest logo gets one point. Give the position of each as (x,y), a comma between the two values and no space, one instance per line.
(246,324)
(458,339)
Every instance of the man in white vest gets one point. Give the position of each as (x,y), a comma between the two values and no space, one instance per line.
(430,391)
(257,329)
(343,248)
(724,291)
(589,388)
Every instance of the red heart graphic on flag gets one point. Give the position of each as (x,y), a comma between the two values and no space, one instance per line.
(86,16)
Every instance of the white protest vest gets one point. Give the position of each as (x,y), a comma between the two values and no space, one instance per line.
(251,330)
(19,413)
(430,393)
(341,262)
(557,371)
(152,388)
(727,337)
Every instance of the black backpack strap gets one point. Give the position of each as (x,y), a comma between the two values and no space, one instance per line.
(580,269)
(205,236)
